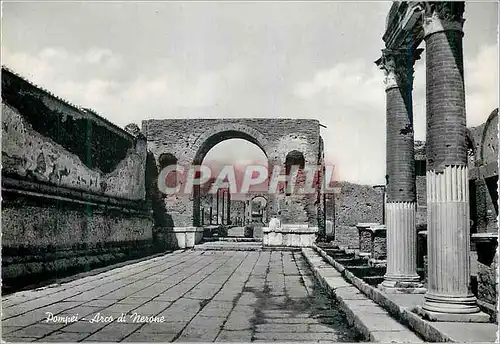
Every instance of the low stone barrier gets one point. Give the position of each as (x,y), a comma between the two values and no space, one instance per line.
(290,236)
(365,238)
(186,237)
(379,246)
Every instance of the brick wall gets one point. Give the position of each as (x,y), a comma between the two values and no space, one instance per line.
(446,123)
(190,140)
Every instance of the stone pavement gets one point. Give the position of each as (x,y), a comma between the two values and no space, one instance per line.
(183,296)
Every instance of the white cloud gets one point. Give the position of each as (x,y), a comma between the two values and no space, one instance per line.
(349,99)
(177,89)
(481,84)
(98,79)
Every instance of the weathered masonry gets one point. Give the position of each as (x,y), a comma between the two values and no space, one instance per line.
(440,24)
(186,142)
(73,188)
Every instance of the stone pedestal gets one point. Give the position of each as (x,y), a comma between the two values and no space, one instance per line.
(186,237)
(378,257)
(487,278)
(289,235)
(365,238)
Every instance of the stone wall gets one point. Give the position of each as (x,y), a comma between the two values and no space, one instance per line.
(346,236)
(358,203)
(73,188)
(189,140)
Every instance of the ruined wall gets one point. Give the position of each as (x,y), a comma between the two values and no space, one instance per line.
(421,187)
(354,204)
(73,187)
(190,140)
(358,203)
(237,212)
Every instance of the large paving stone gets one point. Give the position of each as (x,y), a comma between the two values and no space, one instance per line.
(234,336)
(198,334)
(295,336)
(217,309)
(83,327)
(113,332)
(282,328)
(141,336)
(167,327)
(64,337)
(36,330)
(238,322)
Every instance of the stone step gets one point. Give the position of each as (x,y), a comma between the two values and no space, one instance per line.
(229,246)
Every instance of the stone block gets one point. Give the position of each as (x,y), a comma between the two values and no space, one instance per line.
(365,238)
(379,242)
(290,235)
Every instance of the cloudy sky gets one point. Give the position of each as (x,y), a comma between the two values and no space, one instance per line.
(134,61)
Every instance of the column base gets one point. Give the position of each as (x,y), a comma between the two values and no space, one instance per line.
(479,317)
(443,303)
(377,263)
(392,287)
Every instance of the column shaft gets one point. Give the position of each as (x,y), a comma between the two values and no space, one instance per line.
(401,275)
(402,241)
(449,297)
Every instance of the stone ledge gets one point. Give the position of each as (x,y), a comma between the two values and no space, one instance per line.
(401,306)
(37,190)
(485,237)
(228,246)
(374,323)
(292,229)
(187,229)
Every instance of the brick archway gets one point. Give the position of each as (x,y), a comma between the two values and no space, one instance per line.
(191,139)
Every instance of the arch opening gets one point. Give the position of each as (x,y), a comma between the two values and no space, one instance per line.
(226,154)
(294,167)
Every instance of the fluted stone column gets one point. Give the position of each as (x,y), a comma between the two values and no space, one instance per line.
(449,297)
(401,275)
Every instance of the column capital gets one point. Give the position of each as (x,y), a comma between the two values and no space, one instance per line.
(443,16)
(397,65)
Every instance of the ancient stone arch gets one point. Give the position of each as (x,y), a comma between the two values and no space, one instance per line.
(489,140)
(217,134)
(189,140)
